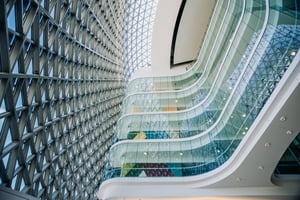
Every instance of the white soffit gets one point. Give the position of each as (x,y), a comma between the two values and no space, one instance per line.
(191,31)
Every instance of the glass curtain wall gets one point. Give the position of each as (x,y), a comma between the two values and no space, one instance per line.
(148,84)
(208,107)
(275,25)
(190,94)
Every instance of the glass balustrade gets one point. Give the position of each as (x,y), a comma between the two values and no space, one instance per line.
(207,110)
(173,83)
(193,94)
(277,43)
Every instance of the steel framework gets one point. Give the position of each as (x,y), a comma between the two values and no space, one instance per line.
(61,86)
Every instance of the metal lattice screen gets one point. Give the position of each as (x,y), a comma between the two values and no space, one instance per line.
(60,92)
(138,27)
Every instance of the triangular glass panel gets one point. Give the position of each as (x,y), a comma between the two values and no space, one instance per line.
(11,19)
(5,159)
(15,69)
(30,68)
(29,153)
(52,12)
(19,101)
(36,122)
(51,72)
(42,71)
(17,166)
(11,38)
(44,96)
(3,107)
(14,182)
(44,160)
(42,38)
(8,139)
(40,186)
(22,186)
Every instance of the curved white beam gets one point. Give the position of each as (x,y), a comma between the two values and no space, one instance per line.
(248,173)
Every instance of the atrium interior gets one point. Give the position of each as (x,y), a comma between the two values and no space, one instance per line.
(140,100)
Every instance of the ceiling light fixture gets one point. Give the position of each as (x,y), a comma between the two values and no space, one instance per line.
(293,53)
(261,167)
(282,118)
(267,144)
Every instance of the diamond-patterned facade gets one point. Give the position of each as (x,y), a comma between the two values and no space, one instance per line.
(138,31)
(62,83)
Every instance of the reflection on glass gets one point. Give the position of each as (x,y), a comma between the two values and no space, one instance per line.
(248,88)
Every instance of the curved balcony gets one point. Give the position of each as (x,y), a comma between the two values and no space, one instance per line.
(278,41)
(207,110)
(194,93)
(178,82)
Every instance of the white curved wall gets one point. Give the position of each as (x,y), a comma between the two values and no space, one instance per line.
(164,24)
(193,25)
(194,22)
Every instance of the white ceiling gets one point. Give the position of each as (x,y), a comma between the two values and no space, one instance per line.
(191,31)
(193,25)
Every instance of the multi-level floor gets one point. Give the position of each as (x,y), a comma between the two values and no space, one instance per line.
(220,129)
